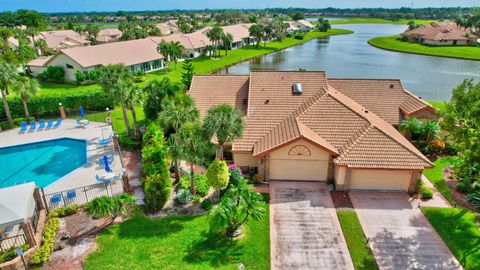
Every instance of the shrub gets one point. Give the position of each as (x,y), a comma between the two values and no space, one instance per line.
(19,120)
(184,196)
(80,76)
(235,177)
(54,73)
(217,174)
(5,125)
(64,211)
(418,185)
(11,253)
(474,198)
(427,192)
(42,254)
(104,206)
(93,74)
(206,204)
(201,183)
(463,187)
(157,192)
(129,143)
(299,36)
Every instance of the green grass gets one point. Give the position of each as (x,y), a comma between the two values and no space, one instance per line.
(435,175)
(361,254)
(459,228)
(439,105)
(394,43)
(179,242)
(375,20)
(117,118)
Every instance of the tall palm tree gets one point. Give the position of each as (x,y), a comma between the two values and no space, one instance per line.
(26,87)
(164,49)
(226,123)
(8,75)
(410,126)
(227,40)
(41,46)
(193,146)
(134,97)
(176,51)
(113,80)
(176,111)
(215,35)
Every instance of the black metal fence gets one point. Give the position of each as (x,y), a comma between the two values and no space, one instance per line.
(13,241)
(80,195)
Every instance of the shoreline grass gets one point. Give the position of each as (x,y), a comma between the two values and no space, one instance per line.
(361,254)
(435,176)
(458,227)
(179,242)
(393,43)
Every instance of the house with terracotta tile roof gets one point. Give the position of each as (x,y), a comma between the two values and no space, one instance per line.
(440,33)
(57,40)
(305,126)
(108,35)
(140,54)
(299,25)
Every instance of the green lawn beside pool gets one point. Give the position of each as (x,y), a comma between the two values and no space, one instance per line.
(459,228)
(435,175)
(179,242)
(361,254)
(117,118)
(393,43)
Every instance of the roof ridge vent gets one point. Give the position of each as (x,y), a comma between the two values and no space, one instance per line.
(297,89)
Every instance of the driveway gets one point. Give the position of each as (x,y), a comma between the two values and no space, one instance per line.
(304,229)
(400,236)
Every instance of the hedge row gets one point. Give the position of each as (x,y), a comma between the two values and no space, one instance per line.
(91,100)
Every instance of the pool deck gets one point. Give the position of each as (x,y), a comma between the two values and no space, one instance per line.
(84,175)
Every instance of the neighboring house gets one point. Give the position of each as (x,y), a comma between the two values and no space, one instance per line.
(303,126)
(57,40)
(440,33)
(300,25)
(240,33)
(167,28)
(108,35)
(140,54)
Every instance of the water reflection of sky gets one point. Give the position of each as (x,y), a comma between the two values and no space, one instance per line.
(432,78)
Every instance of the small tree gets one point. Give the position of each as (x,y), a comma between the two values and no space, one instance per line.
(26,88)
(176,51)
(227,40)
(256,32)
(238,205)
(217,174)
(155,92)
(164,49)
(110,206)
(323,25)
(187,75)
(411,126)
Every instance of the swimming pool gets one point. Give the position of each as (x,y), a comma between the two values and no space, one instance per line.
(43,162)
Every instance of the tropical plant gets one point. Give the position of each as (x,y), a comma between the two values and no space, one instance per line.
(8,75)
(237,206)
(323,25)
(201,183)
(42,254)
(176,51)
(187,75)
(26,87)
(112,207)
(226,123)
(474,198)
(268,32)
(256,32)
(155,92)
(215,35)
(54,73)
(430,130)
(184,196)
(92,31)
(227,40)
(207,204)
(298,16)
(411,126)
(114,80)
(176,111)
(217,174)
(193,146)
(134,97)
(41,46)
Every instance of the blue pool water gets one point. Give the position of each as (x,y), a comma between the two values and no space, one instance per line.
(42,162)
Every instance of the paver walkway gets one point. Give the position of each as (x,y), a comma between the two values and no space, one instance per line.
(399,234)
(304,229)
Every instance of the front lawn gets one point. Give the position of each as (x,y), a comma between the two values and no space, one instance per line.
(460,230)
(394,43)
(179,242)
(435,175)
(117,118)
(361,254)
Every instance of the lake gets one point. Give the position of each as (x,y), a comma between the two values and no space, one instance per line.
(350,56)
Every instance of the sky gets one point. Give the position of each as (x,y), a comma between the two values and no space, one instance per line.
(129,5)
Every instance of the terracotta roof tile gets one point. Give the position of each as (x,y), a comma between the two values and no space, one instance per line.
(441,30)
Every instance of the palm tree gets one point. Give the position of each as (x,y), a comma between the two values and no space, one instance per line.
(256,32)
(227,40)
(134,97)
(112,81)
(430,129)
(8,75)
(5,34)
(192,146)
(226,123)
(164,49)
(410,126)
(41,45)
(215,35)
(176,51)
(26,87)
(176,111)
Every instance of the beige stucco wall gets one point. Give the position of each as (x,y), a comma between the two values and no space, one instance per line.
(62,60)
(380,179)
(313,167)
(444,42)
(245,160)
(340,173)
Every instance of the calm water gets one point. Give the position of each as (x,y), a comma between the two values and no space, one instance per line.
(350,56)
(43,162)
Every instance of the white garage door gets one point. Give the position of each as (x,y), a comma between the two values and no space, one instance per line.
(380,179)
(311,170)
